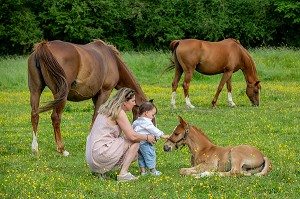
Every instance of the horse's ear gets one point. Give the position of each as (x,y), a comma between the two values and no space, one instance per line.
(256,83)
(151,101)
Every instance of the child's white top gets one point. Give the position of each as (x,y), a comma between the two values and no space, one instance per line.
(144,125)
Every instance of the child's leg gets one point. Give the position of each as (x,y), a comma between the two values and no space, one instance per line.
(141,159)
(150,158)
(143,169)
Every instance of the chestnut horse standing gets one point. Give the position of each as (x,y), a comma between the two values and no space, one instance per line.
(207,157)
(76,73)
(210,58)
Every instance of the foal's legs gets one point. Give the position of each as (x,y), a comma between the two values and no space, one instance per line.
(56,119)
(177,76)
(230,101)
(226,76)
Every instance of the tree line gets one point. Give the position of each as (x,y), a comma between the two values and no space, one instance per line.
(147,24)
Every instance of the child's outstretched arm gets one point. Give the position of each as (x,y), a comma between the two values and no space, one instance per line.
(165,136)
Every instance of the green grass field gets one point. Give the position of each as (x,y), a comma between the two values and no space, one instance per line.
(272,127)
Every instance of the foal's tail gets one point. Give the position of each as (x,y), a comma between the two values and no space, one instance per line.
(44,58)
(174,61)
(267,167)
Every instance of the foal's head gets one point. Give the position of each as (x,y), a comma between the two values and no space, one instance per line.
(253,92)
(178,136)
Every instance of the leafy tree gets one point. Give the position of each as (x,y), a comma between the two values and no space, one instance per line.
(18,28)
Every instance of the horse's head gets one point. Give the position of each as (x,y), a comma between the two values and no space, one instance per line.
(253,92)
(178,136)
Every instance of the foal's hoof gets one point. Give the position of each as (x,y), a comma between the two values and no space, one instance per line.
(184,171)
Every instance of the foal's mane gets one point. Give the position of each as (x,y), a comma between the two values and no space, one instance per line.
(200,132)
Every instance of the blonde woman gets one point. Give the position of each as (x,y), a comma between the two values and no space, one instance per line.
(106,147)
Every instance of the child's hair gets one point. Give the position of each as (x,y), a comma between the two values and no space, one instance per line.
(147,106)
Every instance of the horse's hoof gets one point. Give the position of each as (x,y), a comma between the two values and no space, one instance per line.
(65,153)
(173,106)
(34,152)
(232,104)
(190,106)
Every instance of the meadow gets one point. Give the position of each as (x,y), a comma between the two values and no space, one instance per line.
(273,127)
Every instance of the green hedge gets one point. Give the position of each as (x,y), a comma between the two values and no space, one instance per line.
(147,25)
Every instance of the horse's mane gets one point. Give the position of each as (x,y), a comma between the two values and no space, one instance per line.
(121,61)
(235,40)
(114,49)
(247,54)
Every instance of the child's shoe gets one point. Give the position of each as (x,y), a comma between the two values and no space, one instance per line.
(144,173)
(155,173)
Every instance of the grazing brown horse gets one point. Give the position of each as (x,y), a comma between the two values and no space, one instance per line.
(210,58)
(207,157)
(76,73)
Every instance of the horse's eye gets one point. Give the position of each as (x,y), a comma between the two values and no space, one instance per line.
(176,133)
(256,92)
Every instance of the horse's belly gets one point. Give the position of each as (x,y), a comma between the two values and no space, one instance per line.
(76,96)
(81,91)
(209,70)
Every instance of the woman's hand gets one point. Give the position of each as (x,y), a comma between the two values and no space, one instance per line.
(151,139)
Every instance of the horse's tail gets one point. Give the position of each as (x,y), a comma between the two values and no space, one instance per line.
(174,61)
(173,45)
(44,58)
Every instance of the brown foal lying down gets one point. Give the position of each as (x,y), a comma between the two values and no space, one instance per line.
(209,159)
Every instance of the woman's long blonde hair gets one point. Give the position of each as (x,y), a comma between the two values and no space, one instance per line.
(112,107)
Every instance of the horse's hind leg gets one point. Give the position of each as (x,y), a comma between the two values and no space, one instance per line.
(36,86)
(34,102)
(56,119)
(177,76)
(229,86)
(186,85)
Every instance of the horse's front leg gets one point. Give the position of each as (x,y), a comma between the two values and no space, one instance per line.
(98,100)
(227,75)
(186,85)
(229,87)
(56,119)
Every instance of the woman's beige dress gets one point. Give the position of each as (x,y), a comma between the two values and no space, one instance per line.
(105,147)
